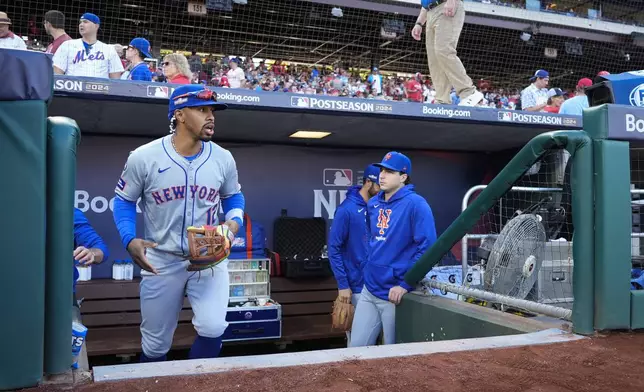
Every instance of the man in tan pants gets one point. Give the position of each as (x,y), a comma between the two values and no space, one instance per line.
(445,20)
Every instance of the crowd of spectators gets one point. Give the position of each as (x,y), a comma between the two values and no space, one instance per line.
(87,56)
(245,73)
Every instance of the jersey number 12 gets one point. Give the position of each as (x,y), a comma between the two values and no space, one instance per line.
(211,215)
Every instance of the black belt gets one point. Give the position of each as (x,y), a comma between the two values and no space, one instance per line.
(435,4)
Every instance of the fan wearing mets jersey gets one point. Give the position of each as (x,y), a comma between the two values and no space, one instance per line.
(182,180)
(87,56)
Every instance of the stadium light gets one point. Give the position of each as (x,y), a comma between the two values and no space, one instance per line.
(309,134)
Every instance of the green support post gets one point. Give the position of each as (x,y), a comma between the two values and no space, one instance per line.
(612,222)
(583,249)
(63,136)
(613,226)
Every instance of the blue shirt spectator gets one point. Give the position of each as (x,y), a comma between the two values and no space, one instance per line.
(140,71)
(136,52)
(578,103)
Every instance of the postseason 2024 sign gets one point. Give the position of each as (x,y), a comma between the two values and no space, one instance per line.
(241,98)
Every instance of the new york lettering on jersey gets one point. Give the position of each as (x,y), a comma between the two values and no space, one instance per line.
(205,195)
(176,193)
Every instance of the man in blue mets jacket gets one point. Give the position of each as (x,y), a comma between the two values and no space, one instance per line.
(400,227)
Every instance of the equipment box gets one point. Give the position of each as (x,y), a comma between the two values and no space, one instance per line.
(301,244)
(252,314)
(554,283)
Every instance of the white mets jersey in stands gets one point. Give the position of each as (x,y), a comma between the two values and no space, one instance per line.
(77,58)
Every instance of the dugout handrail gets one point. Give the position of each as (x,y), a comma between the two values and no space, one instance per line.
(580,147)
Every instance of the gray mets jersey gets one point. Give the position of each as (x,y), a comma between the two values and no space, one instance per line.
(177,192)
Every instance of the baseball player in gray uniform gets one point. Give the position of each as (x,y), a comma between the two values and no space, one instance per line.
(183,180)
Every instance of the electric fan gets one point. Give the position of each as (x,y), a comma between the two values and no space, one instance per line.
(514,260)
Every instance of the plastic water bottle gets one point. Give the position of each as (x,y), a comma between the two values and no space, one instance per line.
(116,270)
(126,270)
(129,270)
(87,273)
(122,268)
(84,272)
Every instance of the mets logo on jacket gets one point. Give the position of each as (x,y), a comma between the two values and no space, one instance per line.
(384,217)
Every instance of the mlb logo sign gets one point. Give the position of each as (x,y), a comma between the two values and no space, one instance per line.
(158,92)
(300,102)
(505,116)
(338,177)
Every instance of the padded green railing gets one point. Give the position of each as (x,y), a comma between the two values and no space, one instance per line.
(580,147)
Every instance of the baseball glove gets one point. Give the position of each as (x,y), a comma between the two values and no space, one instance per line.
(209,246)
(342,316)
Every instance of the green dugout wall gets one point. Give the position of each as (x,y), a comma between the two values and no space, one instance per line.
(613,128)
(38,155)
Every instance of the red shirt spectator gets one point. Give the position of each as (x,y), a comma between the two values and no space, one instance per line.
(53,47)
(55,27)
(277,67)
(414,89)
(180,79)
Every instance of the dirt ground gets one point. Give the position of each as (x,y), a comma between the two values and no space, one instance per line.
(605,363)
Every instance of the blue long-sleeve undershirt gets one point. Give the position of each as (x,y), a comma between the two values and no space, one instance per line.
(85,235)
(233,207)
(125,219)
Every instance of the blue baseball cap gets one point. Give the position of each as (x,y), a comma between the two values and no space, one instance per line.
(372,172)
(540,74)
(396,161)
(555,92)
(143,45)
(91,18)
(193,95)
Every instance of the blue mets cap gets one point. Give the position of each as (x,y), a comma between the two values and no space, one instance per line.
(396,161)
(88,16)
(540,74)
(371,173)
(193,95)
(143,45)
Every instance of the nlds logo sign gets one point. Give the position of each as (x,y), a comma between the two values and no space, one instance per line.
(634,124)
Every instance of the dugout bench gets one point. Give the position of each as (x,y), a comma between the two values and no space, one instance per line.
(111,311)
